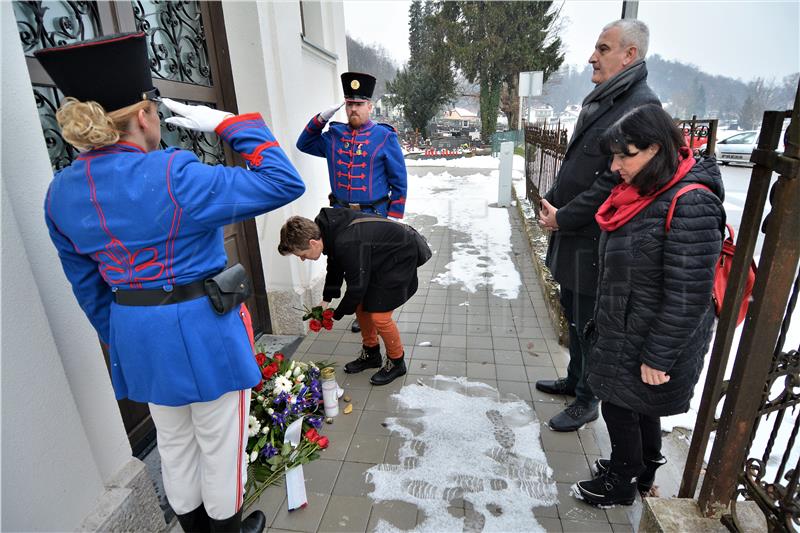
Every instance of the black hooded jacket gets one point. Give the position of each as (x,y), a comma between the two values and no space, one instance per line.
(654,298)
(377,259)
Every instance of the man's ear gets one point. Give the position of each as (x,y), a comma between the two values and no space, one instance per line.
(630,55)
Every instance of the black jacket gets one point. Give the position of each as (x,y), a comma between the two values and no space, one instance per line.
(583,183)
(654,298)
(377,259)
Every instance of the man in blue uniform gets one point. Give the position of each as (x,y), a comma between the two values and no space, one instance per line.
(365,163)
(139,235)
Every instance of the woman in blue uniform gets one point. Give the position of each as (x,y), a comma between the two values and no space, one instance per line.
(139,232)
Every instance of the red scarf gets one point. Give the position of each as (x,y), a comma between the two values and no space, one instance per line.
(625,202)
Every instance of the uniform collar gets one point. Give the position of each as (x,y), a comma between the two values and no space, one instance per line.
(368,126)
(121,146)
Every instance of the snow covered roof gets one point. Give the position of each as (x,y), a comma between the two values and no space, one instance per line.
(460,113)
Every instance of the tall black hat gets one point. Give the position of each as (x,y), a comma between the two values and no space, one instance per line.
(113,70)
(358,86)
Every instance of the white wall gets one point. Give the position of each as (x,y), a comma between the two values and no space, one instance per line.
(63,436)
(287,81)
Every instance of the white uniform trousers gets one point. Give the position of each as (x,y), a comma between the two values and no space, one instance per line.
(202,447)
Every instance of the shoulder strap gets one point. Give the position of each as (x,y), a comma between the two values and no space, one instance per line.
(371,219)
(683,190)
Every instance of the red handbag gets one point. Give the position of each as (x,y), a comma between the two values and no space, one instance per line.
(722,271)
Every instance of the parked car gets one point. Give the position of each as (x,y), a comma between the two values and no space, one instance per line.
(736,149)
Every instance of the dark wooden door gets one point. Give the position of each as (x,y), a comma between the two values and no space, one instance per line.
(189,62)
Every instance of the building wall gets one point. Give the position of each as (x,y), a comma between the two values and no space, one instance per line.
(63,437)
(288,83)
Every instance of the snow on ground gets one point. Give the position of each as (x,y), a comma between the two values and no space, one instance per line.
(464,442)
(478,161)
(461,203)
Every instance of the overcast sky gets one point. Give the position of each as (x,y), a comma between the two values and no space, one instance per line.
(740,39)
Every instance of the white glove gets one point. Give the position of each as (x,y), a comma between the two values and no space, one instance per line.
(194,117)
(328,113)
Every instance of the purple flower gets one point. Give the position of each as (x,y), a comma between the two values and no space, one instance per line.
(315,421)
(269,451)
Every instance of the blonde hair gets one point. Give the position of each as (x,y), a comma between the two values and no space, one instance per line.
(87,126)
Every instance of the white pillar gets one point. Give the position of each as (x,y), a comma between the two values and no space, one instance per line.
(504,180)
(26,174)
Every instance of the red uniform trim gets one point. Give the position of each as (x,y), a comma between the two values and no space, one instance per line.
(86,45)
(174,227)
(372,166)
(255,157)
(235,119)
(240,452)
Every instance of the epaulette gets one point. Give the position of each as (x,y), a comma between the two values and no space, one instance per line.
(388,126)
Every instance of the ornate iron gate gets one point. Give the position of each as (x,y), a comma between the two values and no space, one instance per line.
(765,381)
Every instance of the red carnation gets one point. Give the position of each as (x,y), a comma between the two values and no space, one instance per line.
(314,325)
(259,387)
(261,359)
(327,323)
(278,356)
(269,370)
(323,442)
(328,313)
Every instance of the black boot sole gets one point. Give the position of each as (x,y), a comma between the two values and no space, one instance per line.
(353,371)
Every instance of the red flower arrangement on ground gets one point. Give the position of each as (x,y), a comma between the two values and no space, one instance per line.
(319,318)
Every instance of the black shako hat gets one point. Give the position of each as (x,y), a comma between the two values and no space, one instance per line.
(112,70)
(358,86)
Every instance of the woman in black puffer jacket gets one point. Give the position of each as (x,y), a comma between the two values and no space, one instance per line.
(654,315)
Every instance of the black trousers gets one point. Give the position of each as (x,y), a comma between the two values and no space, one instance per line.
(635,438)
(578,310)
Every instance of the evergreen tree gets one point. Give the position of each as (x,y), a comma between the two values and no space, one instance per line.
(426,83)
(492,42)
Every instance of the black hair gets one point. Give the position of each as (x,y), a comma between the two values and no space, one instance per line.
(643,127)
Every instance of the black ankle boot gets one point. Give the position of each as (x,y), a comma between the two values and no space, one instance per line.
(646,478)
(196,521)
(355,327)
(254,523)
(370,357)
(392,369)
(606,490)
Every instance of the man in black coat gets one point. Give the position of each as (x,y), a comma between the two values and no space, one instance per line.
(378,258)
(584,181)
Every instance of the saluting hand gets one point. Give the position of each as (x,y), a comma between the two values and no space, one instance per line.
(651,376)
(328,113)
(194,117)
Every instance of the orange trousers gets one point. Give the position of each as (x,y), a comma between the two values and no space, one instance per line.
(374,324)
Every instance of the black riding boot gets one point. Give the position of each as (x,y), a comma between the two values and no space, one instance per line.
(196,521)
(254,523)
(646,478)
(370,357)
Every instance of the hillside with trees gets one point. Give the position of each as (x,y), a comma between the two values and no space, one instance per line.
(374,60)
(686,91)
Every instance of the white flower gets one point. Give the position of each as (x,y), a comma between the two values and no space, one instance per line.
(270,411)
(265,430)
(288,373)
(253,426)
(283,384)
(253,456)
(260,398)
(292,399)
(297,371)
(301,377)
(291,367)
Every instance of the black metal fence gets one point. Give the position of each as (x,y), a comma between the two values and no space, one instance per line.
(762,395)
(545,146)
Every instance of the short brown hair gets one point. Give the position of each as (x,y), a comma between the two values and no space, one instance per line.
(296,233)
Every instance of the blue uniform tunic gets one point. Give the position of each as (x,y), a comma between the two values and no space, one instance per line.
(364,165)
(124,218)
